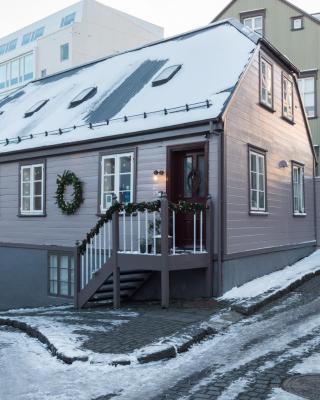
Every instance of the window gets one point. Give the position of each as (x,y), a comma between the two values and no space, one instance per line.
(35,108)
(14,72)
(255,24)
(43,73)
(297,23)
(84,95)
(6,47)
(61,275)
(307,86)
(32,189)
(165,75)
(64,52)
(3,76)
(266,83)
(28,67)
(68,20)
(117,179)
(257,181)
(32,36)
(287,98)
(298,189)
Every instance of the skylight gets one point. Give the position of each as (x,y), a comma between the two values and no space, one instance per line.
(68,20)
(36,108)
(84,95)
(167,74)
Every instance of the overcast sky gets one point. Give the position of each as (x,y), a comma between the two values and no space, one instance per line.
(175,16)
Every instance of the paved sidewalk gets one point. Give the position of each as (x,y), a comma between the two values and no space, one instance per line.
(139,329)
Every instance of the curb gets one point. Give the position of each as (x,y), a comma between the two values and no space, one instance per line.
(36,334)
(171,351)
(251,309)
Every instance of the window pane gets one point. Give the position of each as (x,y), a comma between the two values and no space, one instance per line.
(125,182)
(201,171)
(28,67)
(64,261)
(125,197)
(125,164)
(253,162)
(248,22)
(261,200)
(37,188)
(309,85)
(54,261)
(26,203)
(261,182)
(64,52)
(53,274)
(254,197)
(14,73)
(26,189)
(109,166)
(187,181)
(253,180)
(109,183)
(38,203)
(261,165)
(38,173)
(258,23)
(53,287)
(26,174)
(64,288)
(3,76)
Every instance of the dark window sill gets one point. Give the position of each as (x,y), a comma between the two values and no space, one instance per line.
(315,117)
(259,213)
(31,215)
(266,107)
(290,121)
(297,30)
(58,296)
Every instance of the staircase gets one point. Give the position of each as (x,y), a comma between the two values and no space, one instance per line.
(130,283)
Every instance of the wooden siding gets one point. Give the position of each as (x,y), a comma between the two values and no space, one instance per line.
(60,230)
(248,123)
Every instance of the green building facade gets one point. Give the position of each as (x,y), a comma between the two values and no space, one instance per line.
(296,34)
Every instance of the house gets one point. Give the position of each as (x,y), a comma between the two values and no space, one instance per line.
(288,28)
(67,39)
(204,132)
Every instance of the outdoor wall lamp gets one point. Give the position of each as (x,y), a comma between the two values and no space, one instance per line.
(283,164)
(157,173)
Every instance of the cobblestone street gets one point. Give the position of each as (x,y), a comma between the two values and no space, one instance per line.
(250,360)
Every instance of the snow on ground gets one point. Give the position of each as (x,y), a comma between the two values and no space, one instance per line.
(279,394)
(66,330)
(310,365)
(266,286)
(42,377)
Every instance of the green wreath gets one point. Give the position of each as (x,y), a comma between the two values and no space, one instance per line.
(69,178)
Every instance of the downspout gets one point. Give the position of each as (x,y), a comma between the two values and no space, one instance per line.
(219,210)
(315,202)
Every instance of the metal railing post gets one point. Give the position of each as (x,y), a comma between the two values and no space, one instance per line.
(77,275)
(165,295)
(116,271)
(209,247)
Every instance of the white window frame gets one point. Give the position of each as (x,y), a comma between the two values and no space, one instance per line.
(116,174)
(287,100)
(258,156)
(254,28)
(32,196)
(298,189)
(304,93)
(262,100)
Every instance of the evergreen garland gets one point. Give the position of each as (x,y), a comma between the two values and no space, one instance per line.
(130,208)
(64,180)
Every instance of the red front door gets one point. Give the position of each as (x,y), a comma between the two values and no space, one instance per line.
(188,182)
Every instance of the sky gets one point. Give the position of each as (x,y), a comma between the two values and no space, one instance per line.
(175,16)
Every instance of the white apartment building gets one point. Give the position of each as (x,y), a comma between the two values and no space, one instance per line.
(76,35)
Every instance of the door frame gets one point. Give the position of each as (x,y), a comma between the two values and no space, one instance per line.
(171,150)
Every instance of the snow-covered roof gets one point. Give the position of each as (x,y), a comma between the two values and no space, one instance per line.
(212,58)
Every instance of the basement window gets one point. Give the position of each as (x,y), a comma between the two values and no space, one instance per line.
(35,108)
(166,75)
(61,275)
(84,95)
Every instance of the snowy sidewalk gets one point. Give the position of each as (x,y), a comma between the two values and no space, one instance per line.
(142,333)
(251,296)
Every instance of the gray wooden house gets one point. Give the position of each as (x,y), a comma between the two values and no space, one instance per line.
(205,131)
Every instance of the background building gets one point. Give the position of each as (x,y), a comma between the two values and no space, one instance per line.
(73,36)
(296,34)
